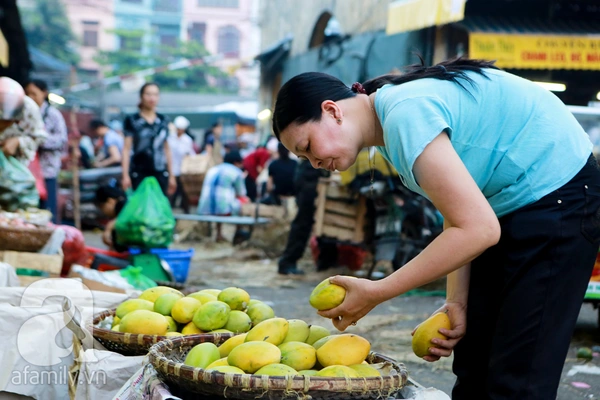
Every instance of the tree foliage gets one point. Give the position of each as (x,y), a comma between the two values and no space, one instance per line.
(47,28)
(130,58)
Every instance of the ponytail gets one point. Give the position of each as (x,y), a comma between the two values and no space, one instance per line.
(453,70)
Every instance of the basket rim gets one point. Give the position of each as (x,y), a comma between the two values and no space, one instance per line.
(301,383)
(41,229)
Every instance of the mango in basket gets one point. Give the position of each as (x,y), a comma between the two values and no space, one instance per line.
(298,355)
(238,322)
(235,297)
(271,330)
(203,297)
(308,372)
(154,293)
(144,322)
(214,292)
(427,330)
(345,349)
(202,355)
(365,370)
(165,302)
(131,305)
(227,369)
(316,332)
(173,334)
(172,325)
(184,309)
(230,344)
(277,370)
(212,315)
(326,295)
(191,329)
(259,311)
(116,321)
(298,331)
(338,371)
(252,356)
(221,362)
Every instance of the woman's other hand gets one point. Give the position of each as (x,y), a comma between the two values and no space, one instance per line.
(172,185)
(10,146)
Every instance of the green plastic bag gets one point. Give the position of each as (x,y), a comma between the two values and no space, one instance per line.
(17,185)
(136,278)
(146,220)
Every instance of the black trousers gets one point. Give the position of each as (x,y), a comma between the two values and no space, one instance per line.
(161,176)
(180,194)
(301,226)
(251,189)
(525,295)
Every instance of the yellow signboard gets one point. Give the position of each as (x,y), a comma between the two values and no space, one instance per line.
(410,15)
(537,51)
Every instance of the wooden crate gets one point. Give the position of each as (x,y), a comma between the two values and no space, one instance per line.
(339,214)
(50,263)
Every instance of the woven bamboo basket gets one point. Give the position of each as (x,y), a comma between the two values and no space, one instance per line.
(167,358)
(130,344)
(24,239)
(192,186)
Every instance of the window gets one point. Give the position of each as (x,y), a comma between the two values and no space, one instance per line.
(132,1)
(90,33)
(130,43)
(197,31)
(167,42)
(229,41)
(167,5)
(219,3)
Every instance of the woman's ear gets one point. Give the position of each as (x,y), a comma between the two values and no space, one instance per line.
(330,108)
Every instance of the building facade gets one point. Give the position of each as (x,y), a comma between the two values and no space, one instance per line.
(227,28)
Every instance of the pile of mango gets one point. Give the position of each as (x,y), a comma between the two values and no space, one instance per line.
(281,347)
(166,311)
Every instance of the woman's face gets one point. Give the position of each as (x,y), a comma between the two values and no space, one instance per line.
(38,95)
(150,97)
(327,144)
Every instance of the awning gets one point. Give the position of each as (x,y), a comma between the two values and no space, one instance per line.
(272,57)
(534,44)
(410,15)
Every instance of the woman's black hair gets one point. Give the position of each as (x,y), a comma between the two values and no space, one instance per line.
(143,89)
(284,154)
(108,191)
(299,99)
(40,84)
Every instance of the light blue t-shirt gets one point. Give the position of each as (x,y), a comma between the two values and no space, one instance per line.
(518,141)
(112,138)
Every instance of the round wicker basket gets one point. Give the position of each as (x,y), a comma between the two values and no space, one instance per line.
(24,239)
(130,344)
(167,359)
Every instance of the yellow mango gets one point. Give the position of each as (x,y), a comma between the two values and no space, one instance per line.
(277,370)
(202,355)
(322,341)
(203,297)
(116,321)
(298,331)
(308,372)
(235,297)
(221,362)
(365,370)
(298,355)
(191,329)
(154,293)
(259,311)
(345,349)
(184,309)
(326,295)
(316,332)
(339,371)
(164,303)
(213,292)
(271,330)
(173,334)
(427,330)
(222,330)
(227,369)
(230,344)
(252,356)
(115,328)
(238,322)
(212,315)
(172,324)
(144,322)
(131,305)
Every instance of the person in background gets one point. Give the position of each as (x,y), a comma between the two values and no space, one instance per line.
(110,200)
(112,144)
(223,189)
(116,126)
(210,136)
(181,146)
(52,150)
(21,126)
(280,171)
(146,149)
(254,163)
(511,171)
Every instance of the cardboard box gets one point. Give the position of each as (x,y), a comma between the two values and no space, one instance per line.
(50,263)
(95,285)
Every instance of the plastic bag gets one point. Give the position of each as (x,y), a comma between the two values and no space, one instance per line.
(17,185)
(146,220)
(136,278)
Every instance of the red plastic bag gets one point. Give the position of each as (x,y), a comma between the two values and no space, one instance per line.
(40,184)
(74,251)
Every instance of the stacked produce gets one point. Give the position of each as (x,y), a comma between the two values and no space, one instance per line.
(166,311)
